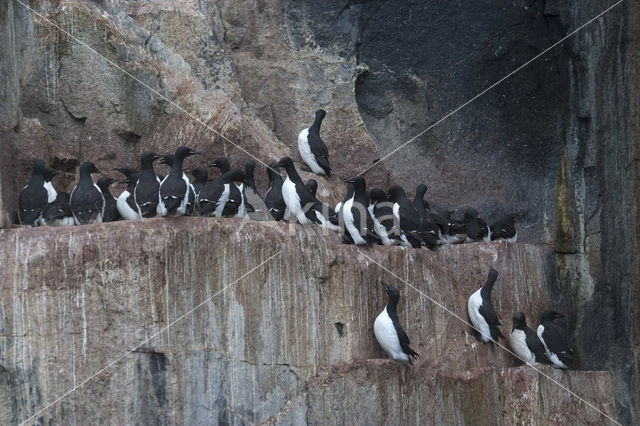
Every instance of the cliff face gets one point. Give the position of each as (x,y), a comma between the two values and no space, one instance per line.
(290,342)
(558,141)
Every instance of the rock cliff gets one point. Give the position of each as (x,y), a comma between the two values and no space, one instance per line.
(290,342)
(558,142)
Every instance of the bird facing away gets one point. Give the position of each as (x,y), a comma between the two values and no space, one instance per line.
(505,229)
(111,213)
(312,148)
(390,335)
(214,196)
(481,312)
(234,205)
(87,202)
(200,178)
(477,229)
(273,198)
(175,189)
(407,217)
(525,343)
(33,199)
(147,188)
(59,213)
(384,222)
(555,340)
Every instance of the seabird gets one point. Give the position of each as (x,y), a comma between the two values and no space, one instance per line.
(312,148)
(407,217)
(273,198)
(256,207)
(428,227)
(347,196)
(200,178)
(505,229)
(358,222)
(477,229)
(33,199)
(175,190)
(555,340)
(454,231)
(111,213)
(525,343)
(327,217)
(48,175)
(58,213)
(297,197)
(87,202)
(481,313)
(214,196)
(389,333)
(384,222)
(235,201)
(126,203)
(148,186)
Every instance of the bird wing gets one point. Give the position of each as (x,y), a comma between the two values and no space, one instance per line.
(209,196)
(557,339)
(172,192)
(146,195)
(32,201)
(320,151)
(536,346)
(490,315)
(404,340)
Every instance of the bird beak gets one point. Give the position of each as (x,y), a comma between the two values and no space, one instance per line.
(214,164)
(194,153)
(386,287)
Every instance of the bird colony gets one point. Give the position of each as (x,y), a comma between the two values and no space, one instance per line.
(364,217)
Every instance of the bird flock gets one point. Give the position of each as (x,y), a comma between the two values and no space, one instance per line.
(362,218)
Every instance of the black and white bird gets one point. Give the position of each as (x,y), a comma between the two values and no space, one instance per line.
(148,186)
(525,343)
(454,231)
(357,219)
(384,222)
(327,217)
(87,202)
(200,179)
(177,196)
(555,340)
(481,313)
(48,175)
(273,198)
(390,335)
(477,229)
(58,213)
(256,207)
(347,196)
(505,229)
(407,217)
(428,227)
(312,148)
(235,205)
(33,198)
(296,195)
(214,197)
(111,213)
(126,203)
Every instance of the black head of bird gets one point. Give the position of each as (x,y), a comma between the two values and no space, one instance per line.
(358,183)
(470,214)
(127,171)
(147,158)
(49,173)
(377,195)
(395,193)
(391,291)
(519,321)
(184,152)
(550,315)
(104,183)
(421,189)
(312,186)
(38,167)
(221,163)
(167,159)
(285,162)
(200,174)
(321,114)
(88,167)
